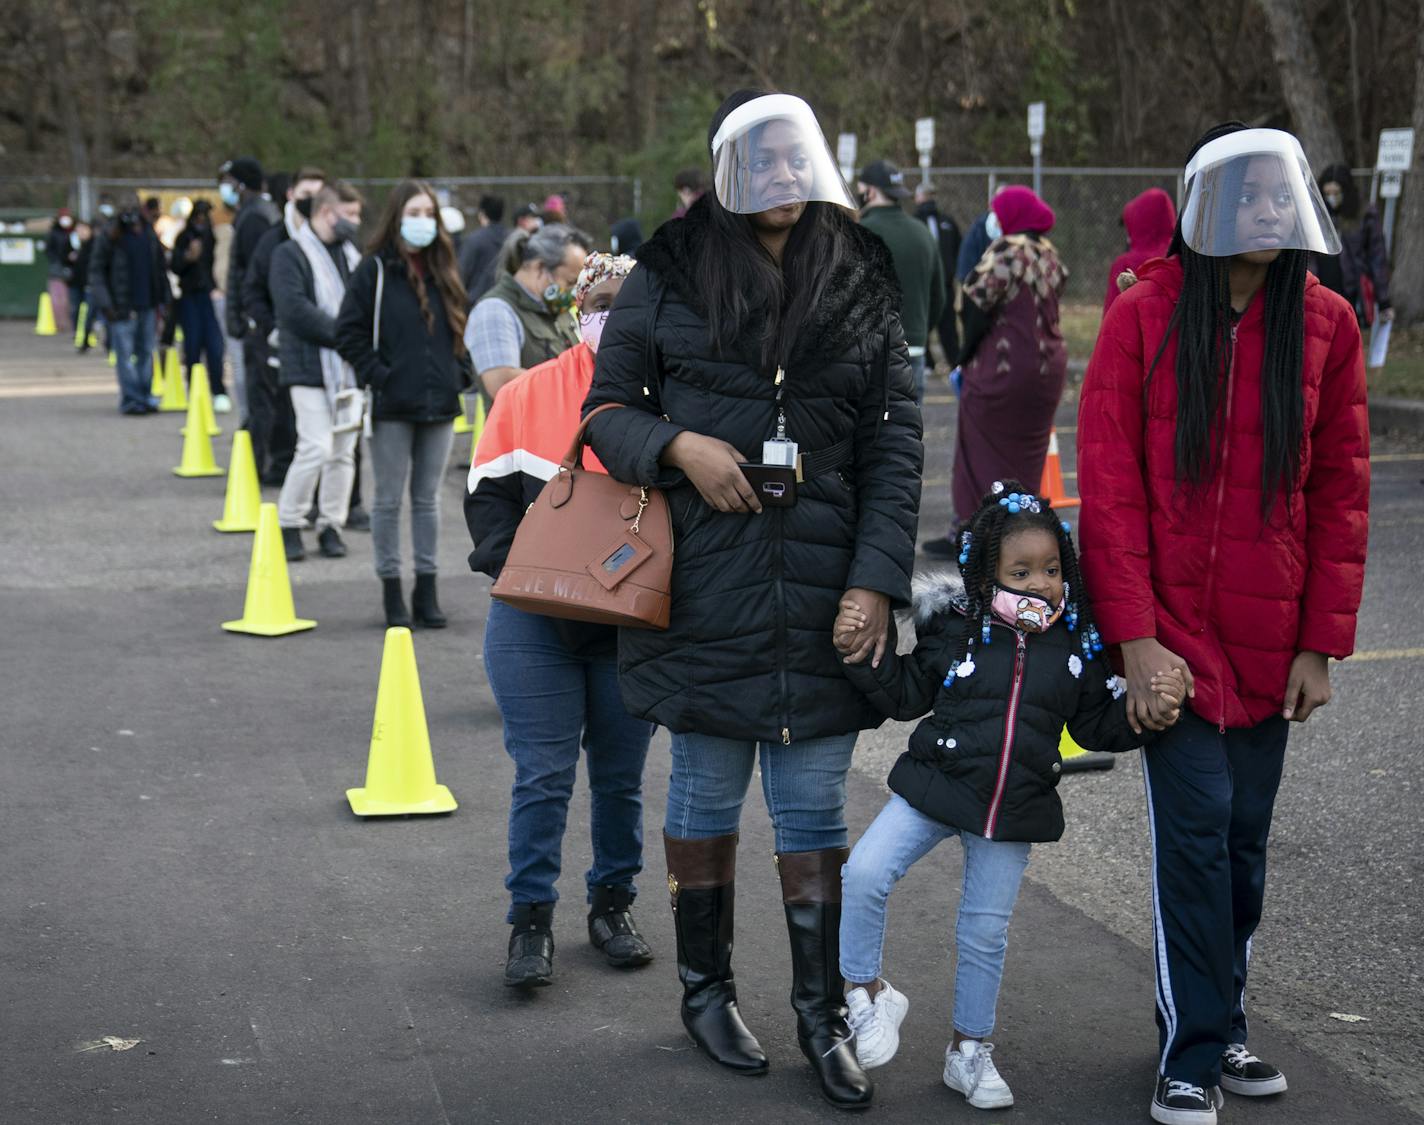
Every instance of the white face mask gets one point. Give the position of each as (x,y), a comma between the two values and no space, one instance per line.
(992,227)
(591,328)
(418,231)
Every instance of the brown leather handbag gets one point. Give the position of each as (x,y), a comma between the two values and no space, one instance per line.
(591,548)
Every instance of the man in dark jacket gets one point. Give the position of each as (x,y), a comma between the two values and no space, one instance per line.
(128,281)
(916,257)
(480,250)
(945,232)
(240,185)
(269,408)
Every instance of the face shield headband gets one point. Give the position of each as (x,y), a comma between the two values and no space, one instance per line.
(1253,191)
(769,153)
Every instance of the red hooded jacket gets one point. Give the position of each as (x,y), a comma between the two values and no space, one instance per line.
(1149,220)
(1198,568)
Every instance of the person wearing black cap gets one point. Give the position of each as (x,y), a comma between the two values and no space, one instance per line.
(240,186)
(529,217)
(917,260)
(479,253)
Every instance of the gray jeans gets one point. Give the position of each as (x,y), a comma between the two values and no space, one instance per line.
(417,451)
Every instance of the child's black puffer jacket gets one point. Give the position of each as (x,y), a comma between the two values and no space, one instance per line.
(985,759)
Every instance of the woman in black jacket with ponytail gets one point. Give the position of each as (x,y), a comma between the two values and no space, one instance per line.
(402,329)
(763,327)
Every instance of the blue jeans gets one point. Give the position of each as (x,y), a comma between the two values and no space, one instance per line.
(804,785)
(898,837)
(133,338)
(553,701)
(917,372)
(202,337)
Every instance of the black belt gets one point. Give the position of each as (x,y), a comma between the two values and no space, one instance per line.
(823,461)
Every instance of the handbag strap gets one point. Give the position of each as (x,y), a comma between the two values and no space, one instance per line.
(574,457)
(380,292)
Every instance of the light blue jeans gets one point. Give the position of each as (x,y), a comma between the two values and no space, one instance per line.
(804,785)
(992,870)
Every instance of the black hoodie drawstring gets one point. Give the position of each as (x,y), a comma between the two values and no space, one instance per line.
(884,381)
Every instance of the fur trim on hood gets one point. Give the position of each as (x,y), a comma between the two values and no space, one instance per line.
(863,292)
(937,591)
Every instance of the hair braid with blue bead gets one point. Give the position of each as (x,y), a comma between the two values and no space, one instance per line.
(1006,510)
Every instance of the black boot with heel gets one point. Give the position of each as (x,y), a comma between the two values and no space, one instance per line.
(811,894)
(423,604)
(397,616)
(700,879)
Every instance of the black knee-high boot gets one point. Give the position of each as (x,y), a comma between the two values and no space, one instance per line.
(701,879)
(811,892)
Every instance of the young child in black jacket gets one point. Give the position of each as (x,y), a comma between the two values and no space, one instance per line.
(1000,664)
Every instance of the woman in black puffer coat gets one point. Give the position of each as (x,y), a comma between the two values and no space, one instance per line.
(765,311)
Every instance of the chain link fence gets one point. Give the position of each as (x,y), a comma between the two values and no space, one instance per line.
(1088,203)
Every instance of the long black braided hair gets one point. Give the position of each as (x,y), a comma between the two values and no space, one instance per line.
(1006,510)
(1203,320)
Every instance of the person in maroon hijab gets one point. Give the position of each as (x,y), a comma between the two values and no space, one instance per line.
(1149,219)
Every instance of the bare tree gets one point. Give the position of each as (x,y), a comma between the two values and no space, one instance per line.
(1302,81)
(1407,286)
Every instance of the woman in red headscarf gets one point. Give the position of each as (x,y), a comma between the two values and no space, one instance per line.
(1013,357)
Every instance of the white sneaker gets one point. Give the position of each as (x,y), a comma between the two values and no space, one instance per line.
(222,404)
(876,1023)
(971,1071)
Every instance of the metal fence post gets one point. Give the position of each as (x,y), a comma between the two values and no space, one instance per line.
(637,195)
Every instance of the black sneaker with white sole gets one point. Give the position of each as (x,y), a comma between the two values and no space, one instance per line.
(1243,1073)
(1181,1103)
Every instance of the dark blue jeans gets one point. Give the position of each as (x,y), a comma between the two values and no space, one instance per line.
(133,338)
(553,702)
(202,337)
(1209,801)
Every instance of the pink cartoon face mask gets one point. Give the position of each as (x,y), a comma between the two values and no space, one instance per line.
(591,328)
(1025,611)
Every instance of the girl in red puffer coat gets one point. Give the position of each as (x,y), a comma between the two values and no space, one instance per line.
(1224,471)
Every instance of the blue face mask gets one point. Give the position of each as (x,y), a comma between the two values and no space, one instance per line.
(228,194)
(417,231)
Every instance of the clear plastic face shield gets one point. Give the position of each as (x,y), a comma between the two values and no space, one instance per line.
(1252,191)
(770,153)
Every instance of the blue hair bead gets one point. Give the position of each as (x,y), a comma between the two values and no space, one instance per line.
(1067,527)
(1013,508)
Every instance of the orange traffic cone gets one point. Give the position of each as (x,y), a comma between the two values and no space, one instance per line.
(1052,487)
(268,610)
(400,770)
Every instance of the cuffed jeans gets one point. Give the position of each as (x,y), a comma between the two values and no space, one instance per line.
(414,451)
(804,785)
(1210,796)
(898,837)
(553,702)
(133,337)
(322,457)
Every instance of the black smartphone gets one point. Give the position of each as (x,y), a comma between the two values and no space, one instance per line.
(774,485)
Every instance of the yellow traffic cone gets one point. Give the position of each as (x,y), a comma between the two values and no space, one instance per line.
(155,388)
(200,393)
(268,610)
(478,429)
(244,496)
(113,358)
(462,420)
(175,395)
(197,445)
(44,320)
(1076,759)
(79,318)
(400,772)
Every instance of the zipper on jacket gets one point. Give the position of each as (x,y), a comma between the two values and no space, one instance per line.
(1220,500)
(779,572)
(1011,720)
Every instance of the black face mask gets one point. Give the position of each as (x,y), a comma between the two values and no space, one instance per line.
(862,198)
(304,207)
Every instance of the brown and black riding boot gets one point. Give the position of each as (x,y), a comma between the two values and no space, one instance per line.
(700,879)
(811,892)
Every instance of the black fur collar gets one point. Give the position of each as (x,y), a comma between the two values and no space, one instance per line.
(863,292)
